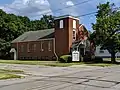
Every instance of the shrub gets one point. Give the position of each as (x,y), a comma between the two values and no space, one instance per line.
(65,59)
(87,59)
(98,59)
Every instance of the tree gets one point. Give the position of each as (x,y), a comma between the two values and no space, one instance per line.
(46,22)
(49,20)
(12,26)
(106,27)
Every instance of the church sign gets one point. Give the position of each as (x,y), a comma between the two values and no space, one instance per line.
(75,56)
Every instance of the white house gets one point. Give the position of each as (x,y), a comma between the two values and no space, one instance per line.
(104,53)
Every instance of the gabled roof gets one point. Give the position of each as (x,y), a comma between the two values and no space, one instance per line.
(35,35)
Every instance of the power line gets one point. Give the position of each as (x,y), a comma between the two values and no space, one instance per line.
(86,14)
(77,5)
(68,6)
(117,8)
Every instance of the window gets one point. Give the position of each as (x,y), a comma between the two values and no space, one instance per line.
(49,46)
(34,47)
(41,46)
(28,47)
(74,34)
(22,48)
(61,23)
(74,24)
(101,51)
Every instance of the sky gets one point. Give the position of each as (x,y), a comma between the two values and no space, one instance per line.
(34,9)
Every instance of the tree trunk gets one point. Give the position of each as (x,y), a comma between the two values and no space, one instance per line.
(113,58)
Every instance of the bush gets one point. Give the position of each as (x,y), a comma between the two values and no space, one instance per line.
(98,59)
(87,59)
(65,59)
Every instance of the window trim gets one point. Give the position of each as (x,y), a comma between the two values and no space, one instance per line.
(49,46)
(41,46)
(28,47)
(61,24)
(74,24)
(22,48)
(34,47)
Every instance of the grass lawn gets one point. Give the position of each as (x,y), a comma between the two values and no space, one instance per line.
(7,74)
(54,63)
(11,71)
(101,64)
(110,59)
(45,63)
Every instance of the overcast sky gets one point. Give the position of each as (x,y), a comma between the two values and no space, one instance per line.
(34,9)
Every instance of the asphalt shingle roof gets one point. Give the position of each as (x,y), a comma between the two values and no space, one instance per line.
(35,35)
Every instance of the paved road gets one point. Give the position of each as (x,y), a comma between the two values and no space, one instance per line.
(63,78)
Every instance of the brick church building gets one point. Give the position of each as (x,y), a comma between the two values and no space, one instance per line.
(50,44)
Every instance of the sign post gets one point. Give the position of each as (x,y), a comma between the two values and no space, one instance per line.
(75,56)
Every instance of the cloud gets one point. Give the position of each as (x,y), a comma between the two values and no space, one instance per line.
(59,7)
(30,8)
(69,3)
(34,9)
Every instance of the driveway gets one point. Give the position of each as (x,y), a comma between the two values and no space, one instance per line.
(63,78)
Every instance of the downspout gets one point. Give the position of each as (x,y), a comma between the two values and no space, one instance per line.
(55,49)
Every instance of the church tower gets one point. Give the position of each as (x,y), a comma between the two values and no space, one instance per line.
(65,33)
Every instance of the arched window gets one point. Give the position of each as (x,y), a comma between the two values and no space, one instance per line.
(74,24)
(61,23)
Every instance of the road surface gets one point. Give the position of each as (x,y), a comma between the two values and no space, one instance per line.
(63,78)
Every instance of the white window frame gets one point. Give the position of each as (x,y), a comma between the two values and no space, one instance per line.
(74,24)
(61,23)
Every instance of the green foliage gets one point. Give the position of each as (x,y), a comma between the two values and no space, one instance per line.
(4,48)
(98,60)
(46,22)
(12,26)
(8,76)
(106,27)
(65,58)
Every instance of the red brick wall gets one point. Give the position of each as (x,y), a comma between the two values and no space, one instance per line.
(63,41)
(63,37)
(35,53)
